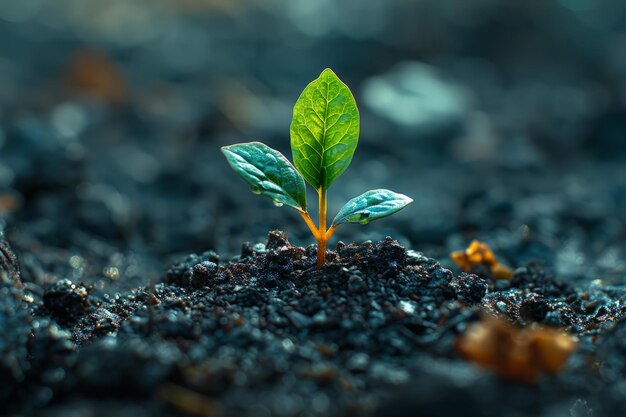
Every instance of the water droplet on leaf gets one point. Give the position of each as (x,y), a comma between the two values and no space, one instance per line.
(278,203)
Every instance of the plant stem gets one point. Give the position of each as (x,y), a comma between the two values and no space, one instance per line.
(320,233)
(330,232)
(322,237)
(309,222)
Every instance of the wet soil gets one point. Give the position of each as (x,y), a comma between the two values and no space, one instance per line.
(373,332)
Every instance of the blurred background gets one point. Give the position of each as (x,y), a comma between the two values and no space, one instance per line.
(504,121)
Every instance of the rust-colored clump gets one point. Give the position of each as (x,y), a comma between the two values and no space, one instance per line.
(478,253)
(9,203)
(93,73)
(517,354)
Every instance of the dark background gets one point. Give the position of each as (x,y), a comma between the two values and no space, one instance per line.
(504,121)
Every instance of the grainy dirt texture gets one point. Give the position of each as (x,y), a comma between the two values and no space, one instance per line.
(268,332)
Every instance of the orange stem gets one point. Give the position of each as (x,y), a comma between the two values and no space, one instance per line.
(320,233)
(331,231)
(309,222)
(321,237)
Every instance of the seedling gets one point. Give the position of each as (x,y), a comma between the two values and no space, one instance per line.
(324,134)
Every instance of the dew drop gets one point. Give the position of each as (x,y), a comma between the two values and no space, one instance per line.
(278,204)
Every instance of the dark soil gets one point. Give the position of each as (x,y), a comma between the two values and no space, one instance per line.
(267,333)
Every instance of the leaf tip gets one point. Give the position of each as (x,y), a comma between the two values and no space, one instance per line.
(227,148)
(406,200)
(328,73)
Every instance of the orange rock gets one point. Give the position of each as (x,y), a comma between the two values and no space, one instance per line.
(10,202)
(500,271)
(552,349)
(517,354)
(93,73)
(479,253)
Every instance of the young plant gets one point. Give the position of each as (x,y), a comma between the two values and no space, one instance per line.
(324,134)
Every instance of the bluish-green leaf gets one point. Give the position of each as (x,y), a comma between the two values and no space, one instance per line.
(268,172)
(372,205)
(324,130)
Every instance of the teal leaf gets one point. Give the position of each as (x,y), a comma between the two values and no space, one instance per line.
(372,205)
(268,172)
(324,130)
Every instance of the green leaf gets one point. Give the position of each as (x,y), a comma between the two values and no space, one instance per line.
(268,172)
(372,205)
(324,130)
